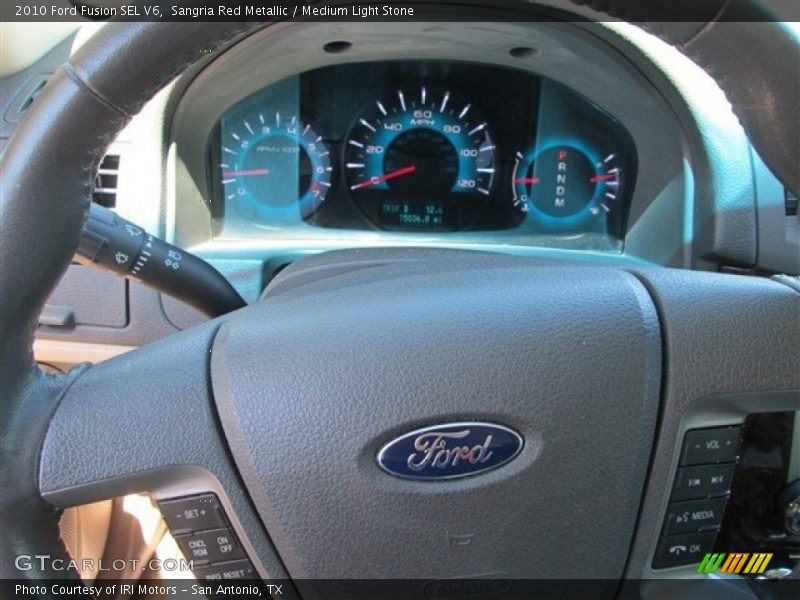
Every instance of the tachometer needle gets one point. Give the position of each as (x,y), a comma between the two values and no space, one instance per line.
(603,177)
(526,180)
(385,177)
(247,173)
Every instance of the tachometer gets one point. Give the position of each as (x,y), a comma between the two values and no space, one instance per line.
(420,160)
(272,164)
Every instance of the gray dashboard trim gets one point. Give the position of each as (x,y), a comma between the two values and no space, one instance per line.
(720,215)
(778,233)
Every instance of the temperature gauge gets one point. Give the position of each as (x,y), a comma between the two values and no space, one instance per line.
(563,185)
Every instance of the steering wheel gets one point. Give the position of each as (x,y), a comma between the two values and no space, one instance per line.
(281,407)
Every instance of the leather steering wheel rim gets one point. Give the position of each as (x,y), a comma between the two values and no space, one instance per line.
(89,100)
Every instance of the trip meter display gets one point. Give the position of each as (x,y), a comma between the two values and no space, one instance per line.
(420,159)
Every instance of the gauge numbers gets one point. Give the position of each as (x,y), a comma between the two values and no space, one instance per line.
(419,159)
(273,164)
(563,185)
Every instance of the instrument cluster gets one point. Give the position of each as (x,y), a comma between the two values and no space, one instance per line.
(421,147)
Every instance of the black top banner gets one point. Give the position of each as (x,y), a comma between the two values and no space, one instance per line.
(441,10)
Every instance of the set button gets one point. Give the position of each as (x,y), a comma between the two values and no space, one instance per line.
(194,513)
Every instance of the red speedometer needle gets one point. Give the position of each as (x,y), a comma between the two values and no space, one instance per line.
(526,180)
(385,177)
(604,177)
(247,173)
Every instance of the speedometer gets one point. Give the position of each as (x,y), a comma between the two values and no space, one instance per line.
(420,160)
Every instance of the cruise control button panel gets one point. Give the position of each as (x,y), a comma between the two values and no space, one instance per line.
(702,482)
(201,531)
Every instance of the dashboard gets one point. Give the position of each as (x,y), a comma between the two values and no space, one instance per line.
(422,146)
(521,137)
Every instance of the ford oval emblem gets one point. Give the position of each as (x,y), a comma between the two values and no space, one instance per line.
(450,450)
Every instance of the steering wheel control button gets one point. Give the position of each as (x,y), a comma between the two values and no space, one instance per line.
(217,545)
(699,494)
(237,569)
(707,446)
(683,517)
(702,482)
(195,513)
(680,550)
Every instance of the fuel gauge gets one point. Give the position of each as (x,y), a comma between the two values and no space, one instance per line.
(562,185)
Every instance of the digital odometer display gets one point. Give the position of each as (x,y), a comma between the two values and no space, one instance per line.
(410,215)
